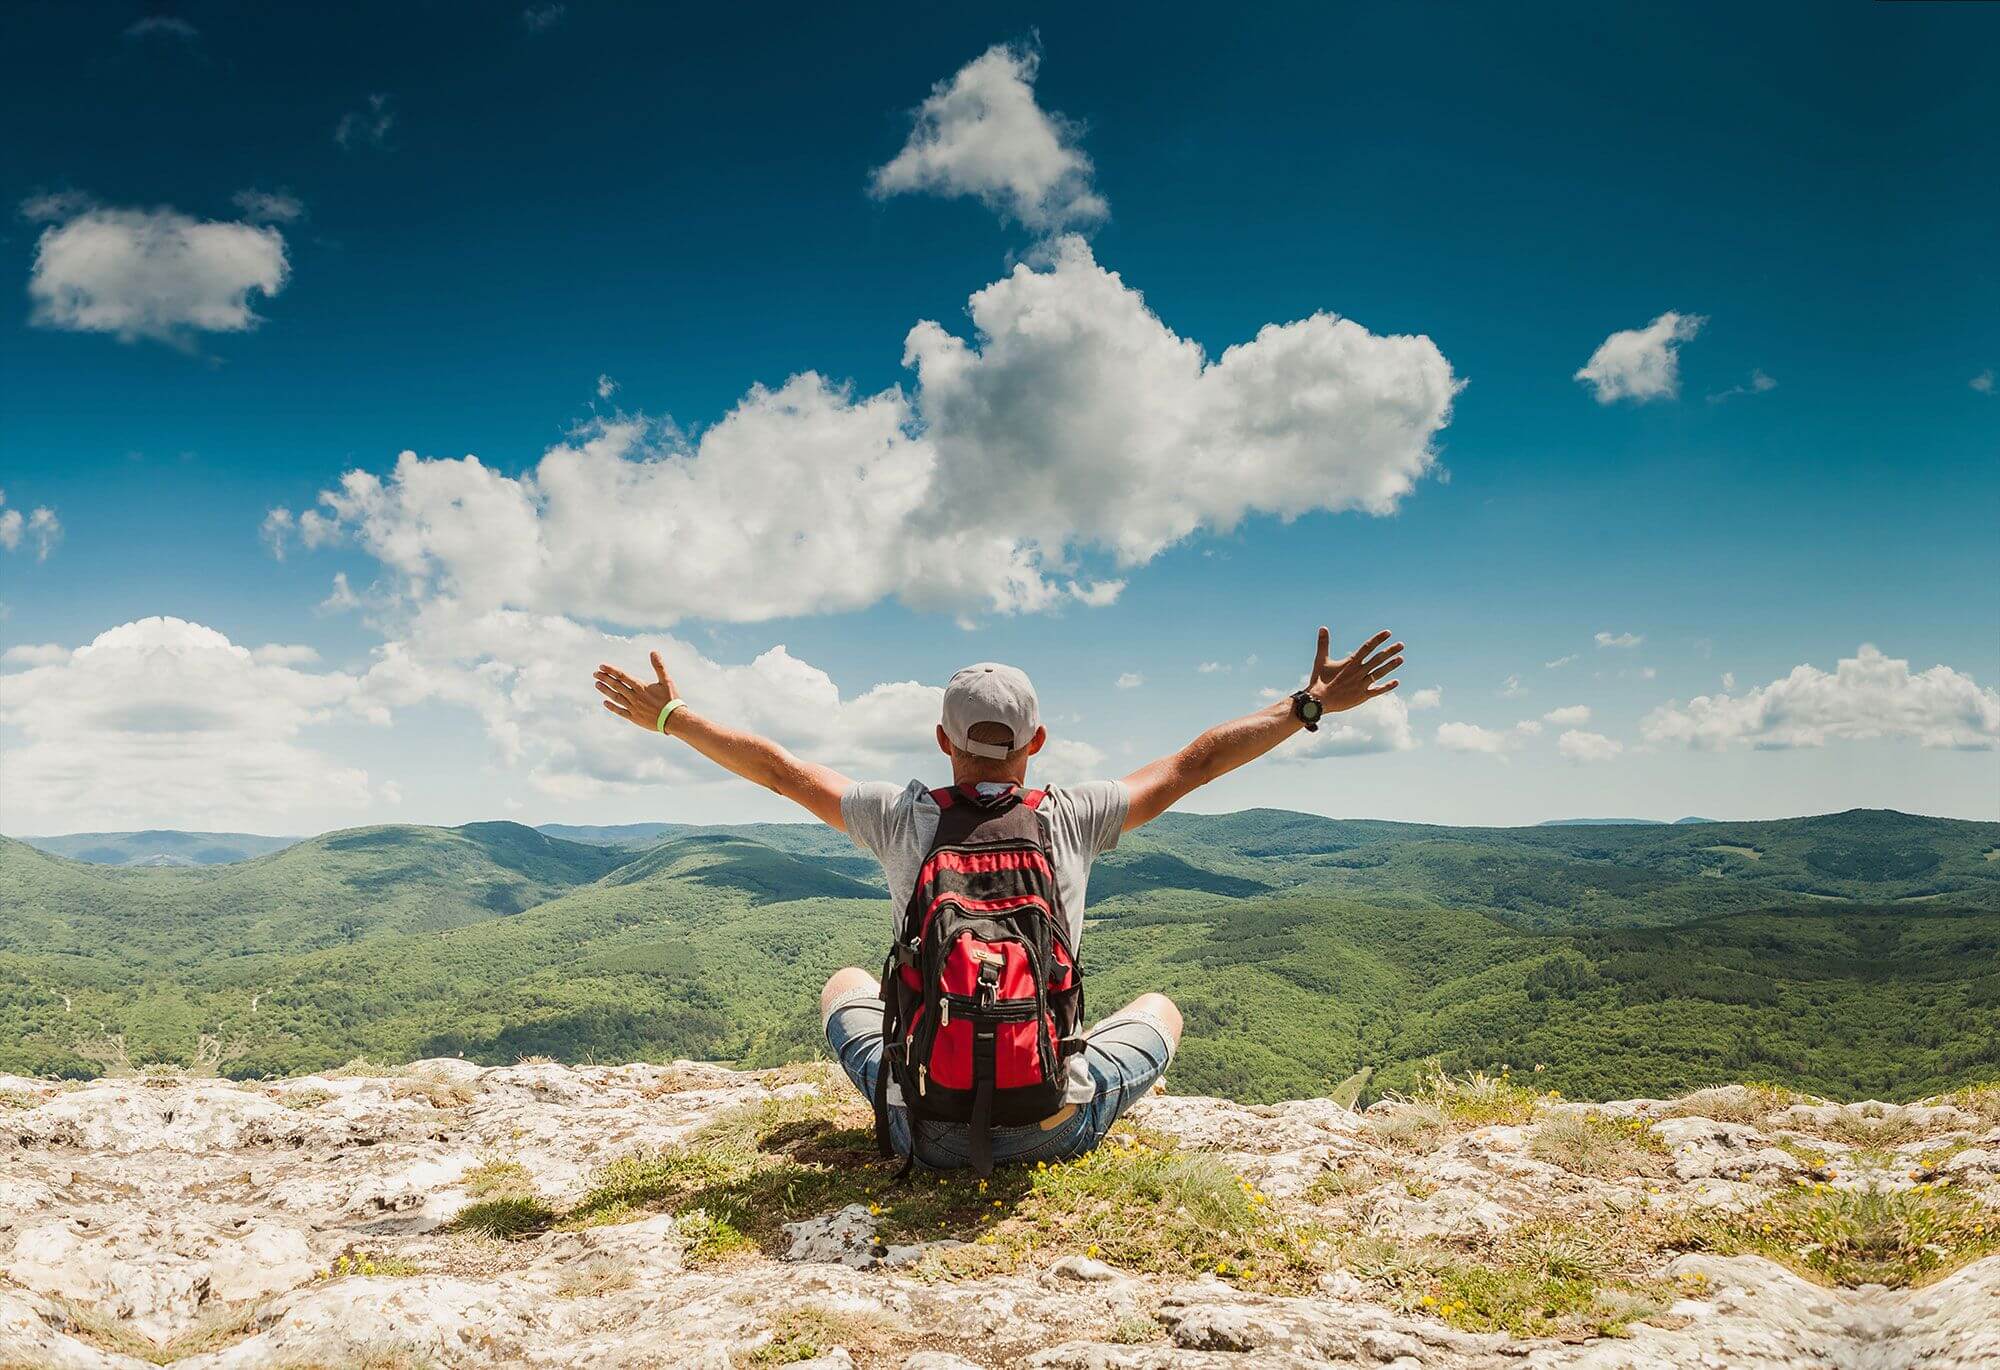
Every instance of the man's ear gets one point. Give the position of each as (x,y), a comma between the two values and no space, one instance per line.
(1035,742)
(944,740)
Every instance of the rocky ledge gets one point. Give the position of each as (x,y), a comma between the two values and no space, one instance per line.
(686,1215)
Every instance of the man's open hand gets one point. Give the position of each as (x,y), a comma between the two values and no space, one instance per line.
(1340,685)
(637,702)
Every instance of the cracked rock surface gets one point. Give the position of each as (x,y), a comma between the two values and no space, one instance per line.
(311,1222)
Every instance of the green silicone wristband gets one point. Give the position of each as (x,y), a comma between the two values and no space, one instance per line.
(666,712)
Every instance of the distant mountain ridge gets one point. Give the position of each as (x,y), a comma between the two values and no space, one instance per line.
(1856,952)
(160,847)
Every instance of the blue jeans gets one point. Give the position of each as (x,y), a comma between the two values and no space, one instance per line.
(1125,1055)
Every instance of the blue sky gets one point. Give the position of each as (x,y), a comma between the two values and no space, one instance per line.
(467,222)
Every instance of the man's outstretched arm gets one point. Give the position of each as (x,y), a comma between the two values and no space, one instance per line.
(757,759)
(1337,685)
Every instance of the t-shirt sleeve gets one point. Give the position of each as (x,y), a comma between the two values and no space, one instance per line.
(873,811)
(1095,812)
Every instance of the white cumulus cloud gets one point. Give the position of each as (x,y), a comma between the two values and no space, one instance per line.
(982,134)
(1569,716)
(1109,433)
(152,273)
(1431,698)
(1380,725)
(1470,737)
(166,723)
(1576,745)
(1868,695)
(39,529)
(1641,363)
(1983,382)
(526,677)
(1131,680)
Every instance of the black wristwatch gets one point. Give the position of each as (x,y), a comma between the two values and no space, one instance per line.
(1307,710)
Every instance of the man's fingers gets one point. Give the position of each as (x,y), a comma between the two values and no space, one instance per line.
(1377,672)
(622,713)
(1383,689)
(1319,658)
(1391,650)
(659,668)
(1370,645)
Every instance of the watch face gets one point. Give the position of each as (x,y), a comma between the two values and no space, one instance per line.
(1310,709)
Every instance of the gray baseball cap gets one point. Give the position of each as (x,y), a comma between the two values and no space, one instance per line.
(990,693)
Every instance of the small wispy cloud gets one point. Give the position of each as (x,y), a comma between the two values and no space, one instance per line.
(162,26)
(366,127)
(606,387)
(1569,716)
(1131,680)
(1513,687)
(540,18)
(269,206)
(1641,364)
(1983,382)
(39,529)
(1758,384)
(1558,663)
(1620,639)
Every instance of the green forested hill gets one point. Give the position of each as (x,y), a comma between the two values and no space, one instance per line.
(1856,954)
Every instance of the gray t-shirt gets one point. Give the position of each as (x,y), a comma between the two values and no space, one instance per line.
(1079,823)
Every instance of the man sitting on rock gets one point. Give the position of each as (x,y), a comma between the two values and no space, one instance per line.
(975,1052)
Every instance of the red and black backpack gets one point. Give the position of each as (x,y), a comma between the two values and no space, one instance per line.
(982,996)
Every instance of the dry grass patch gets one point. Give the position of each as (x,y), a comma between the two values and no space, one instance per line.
(1545,1279)
(1851,1237)
(1751,1105)
(496,1179)
(439,1094)
(1981,1101)
(310,1097)
(1415,1128)
(212,1331)
(594,1278)
(811,1331)
(1478,1099)
(18,1098)
(1586,1143)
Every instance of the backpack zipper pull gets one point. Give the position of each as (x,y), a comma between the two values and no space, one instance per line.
(944,1012)
(922,1075)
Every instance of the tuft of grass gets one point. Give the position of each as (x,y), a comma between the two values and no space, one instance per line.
(1478,1099)
(595,1277)
(310,1097)
(18,1098)
(213,1330)
(1982,1101)
(1356,1176)
(811,1331)
(367,1264)
(1849,1237)
(709,1239)
(518,1216)
(1803,1151)
(1552,1278)
(439,1094)
(1751,1105)
(1138,1202)
(1134,1331)
(1586,1143)
(361,1068)
(498,1180)
(1413,1127)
